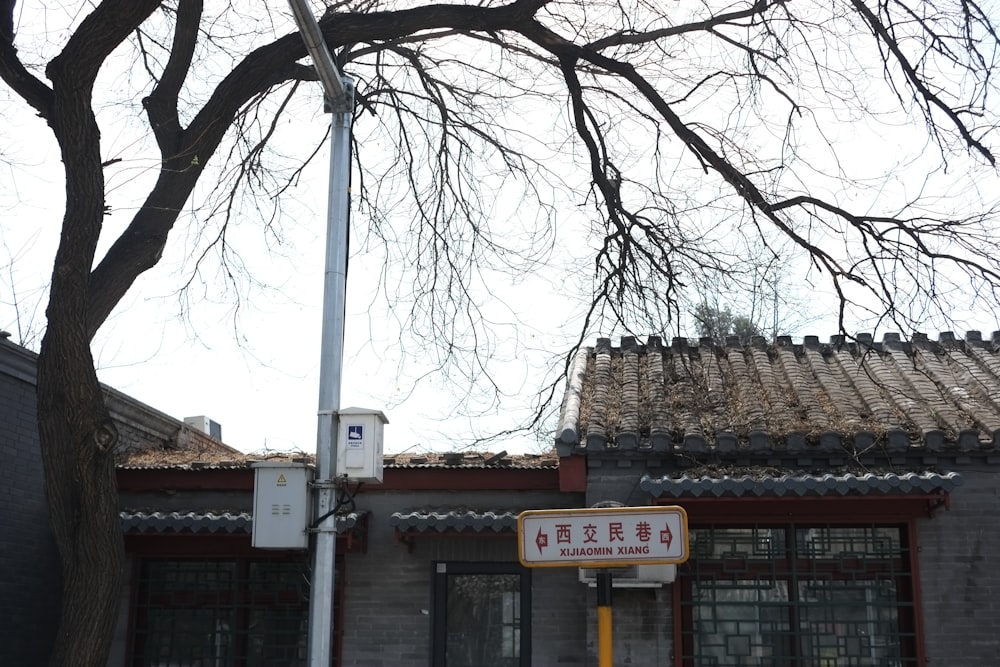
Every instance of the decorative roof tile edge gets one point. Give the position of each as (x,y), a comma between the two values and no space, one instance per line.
(186,522)
(206,522)
(759,444)
(442,520)
(570,412)
(800,484)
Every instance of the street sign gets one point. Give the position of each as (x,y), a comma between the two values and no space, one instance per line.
(603,537)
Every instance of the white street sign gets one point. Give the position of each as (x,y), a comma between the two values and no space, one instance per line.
(602,537)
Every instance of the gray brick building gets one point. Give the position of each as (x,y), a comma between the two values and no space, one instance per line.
(29,567)
(839,499)
(30,582)
(439,534)
(839,495)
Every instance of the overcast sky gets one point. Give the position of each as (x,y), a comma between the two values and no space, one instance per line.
(252,365)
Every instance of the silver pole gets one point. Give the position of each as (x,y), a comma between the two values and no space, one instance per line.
(321,620)
(318,50)
(340,95)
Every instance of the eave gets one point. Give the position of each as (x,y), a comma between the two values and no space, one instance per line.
(394,479)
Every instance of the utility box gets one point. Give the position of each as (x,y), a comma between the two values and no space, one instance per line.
(205,425)
(359,445)
(280,505)
(633,576)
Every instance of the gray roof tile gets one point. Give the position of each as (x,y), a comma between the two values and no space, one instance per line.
(205,522)
(798,484)
(186,522)
(445,519)
(700,399)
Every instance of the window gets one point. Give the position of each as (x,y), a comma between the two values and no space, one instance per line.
(482,615)
(797,596)
(221,613)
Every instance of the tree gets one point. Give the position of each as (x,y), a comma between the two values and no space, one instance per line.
(686,121)
(760,300)
(718,323)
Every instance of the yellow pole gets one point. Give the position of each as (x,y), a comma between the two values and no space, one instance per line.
(605,649)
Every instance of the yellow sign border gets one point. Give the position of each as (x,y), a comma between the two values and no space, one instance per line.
(603,511)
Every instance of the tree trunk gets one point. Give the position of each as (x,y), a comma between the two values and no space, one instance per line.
(77,440)
(76,434)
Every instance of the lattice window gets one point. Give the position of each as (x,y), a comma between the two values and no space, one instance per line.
(221,613)
(798,596)
(481,615)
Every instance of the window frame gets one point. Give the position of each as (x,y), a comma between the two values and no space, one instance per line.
(138,612)
(440,572)
(794,569)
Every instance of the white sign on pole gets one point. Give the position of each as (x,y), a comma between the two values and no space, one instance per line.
(602,537)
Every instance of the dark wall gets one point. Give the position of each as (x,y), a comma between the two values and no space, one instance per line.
(959,577)
(29,566)
(389,589)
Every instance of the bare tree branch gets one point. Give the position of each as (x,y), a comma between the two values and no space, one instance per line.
(13,71)
(667,134)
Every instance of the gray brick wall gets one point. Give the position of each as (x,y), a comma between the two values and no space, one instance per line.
(117,656)
(387,607)
(389,589)
(560,618)
(642,619)
(641,626)
(30,583)
(959,574)
(29,568)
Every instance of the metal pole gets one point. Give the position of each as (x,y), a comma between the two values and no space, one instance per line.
(340,95)
(321,620)
(318,50)
(605,637)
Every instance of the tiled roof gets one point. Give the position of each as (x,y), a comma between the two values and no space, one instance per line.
(186,522)
(472,460)
(199,460)
(698,399)
(753,483)
(205,522)
(209,460)
(140,427)
(455,519)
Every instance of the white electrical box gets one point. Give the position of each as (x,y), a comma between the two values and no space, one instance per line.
(633,576)
(280,505)
(359,445)
(205,425)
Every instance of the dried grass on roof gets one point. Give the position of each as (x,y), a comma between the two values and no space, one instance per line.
(613,401)
(472,459)
(187,458)
(160,458)
(586,396)
(645,407)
